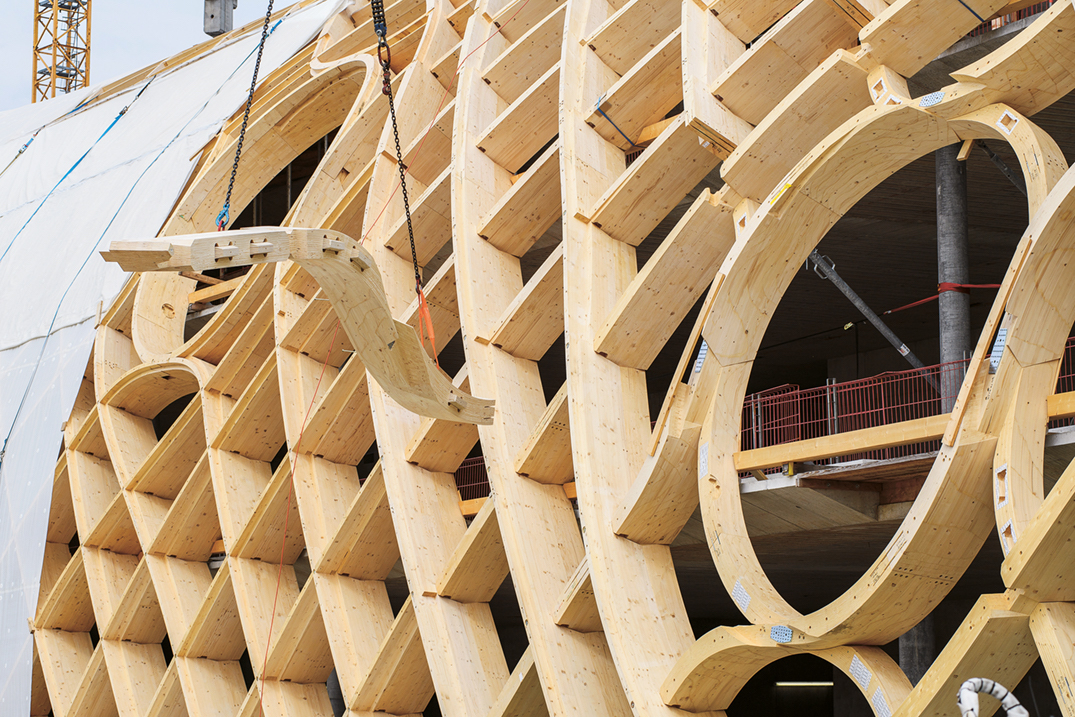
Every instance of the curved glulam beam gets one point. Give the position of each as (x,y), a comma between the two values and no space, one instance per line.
(669,285)
(718,666)
(908,574)
(293,109)
(284,121)
(1036,338)
(665,494)
(1028,72)
(390,349)
(975,650)
(127,410)
(642,655)
(836,88)
(1040,158)
(646,625)
(537,522)
(937,24)
(222,332)
(1053,627)
(1036,313)
(465,657)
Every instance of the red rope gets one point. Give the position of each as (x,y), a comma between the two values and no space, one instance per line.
(287,516)
(942,288)
(963,288)
(425,325)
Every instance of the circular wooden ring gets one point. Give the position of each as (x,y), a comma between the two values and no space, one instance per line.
(718,666)
(932,548)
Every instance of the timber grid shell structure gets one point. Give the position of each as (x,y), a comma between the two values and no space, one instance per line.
(589,121)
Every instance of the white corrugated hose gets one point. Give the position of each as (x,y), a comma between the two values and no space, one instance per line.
(968,698)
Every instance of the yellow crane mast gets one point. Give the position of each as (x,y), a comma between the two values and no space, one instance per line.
(61,47)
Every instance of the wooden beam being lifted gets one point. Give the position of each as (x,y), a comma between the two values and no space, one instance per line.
(441,446)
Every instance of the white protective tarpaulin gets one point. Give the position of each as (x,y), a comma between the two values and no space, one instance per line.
(53,221)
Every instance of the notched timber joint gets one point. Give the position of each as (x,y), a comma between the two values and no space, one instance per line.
(390,350)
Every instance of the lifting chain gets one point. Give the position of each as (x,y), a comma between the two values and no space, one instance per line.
(384,56)
(224,217)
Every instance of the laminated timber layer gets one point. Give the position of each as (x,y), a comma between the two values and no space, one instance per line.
(601,116)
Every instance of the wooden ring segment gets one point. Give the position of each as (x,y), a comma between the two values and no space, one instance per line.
(390,349)
(908,574)
(521,140)
(1034,527)
(723,660)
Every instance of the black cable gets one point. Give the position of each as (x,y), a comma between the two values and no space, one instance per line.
(224,216)
(384,55)
(48,333)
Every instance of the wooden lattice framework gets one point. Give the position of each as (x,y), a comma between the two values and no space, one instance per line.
(520,138)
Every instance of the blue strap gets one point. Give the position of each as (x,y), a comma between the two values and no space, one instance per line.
(30,141)
(57,185)
(86,261)
(980,18)
(75,166)
(602,113)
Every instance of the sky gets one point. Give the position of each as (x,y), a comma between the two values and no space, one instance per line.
(127,35)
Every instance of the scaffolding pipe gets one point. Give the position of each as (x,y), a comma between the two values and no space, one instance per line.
(1014,177)
(828,270)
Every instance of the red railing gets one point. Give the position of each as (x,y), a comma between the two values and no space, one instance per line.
(1066,382)
(788,413)
(999,22)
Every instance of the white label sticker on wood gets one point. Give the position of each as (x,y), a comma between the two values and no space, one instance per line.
(860,672)
(880,704)
(703,460)
(931,99)
(780,634)
(998,350)
(703,351)
(740,595)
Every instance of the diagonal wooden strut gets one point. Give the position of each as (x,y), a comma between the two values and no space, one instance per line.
(389,349)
